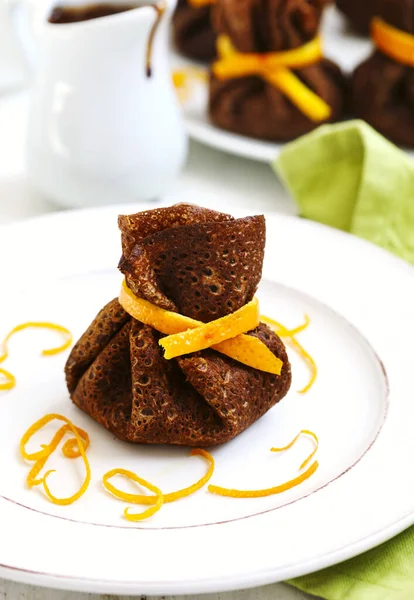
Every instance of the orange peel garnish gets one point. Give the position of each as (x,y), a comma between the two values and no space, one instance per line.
(274,68)
(157,500)
(221,491)
(289,334)
(210,334)
(393,42)
(184,78)
(171,497)
(72,448)
(201,3)
(246,349)
(293,442)
(10,379)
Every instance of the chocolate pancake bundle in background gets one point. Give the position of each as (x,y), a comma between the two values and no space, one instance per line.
(359,13)
(202,264)
(382,88)
(253,107)
(193,32)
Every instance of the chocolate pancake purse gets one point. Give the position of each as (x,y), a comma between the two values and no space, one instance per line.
(182,262)
(193,32)
(359,13)
(271,80)
(383,85)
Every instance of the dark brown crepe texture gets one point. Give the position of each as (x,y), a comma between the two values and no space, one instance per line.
(359,13)
(383,89)
(202,264)
(249,105)
(193,32)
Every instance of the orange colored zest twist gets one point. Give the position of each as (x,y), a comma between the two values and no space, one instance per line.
(220,491)
(171,497)
(73,448)
(245,349)
(397,44)
(293,442)
(184,78)
(289,334)
(10,379)
(274,67)
(157,500)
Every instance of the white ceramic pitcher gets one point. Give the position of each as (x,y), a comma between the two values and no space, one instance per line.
(102,128)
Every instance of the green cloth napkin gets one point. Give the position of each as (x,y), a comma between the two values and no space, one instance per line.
(350,177)
(384,573)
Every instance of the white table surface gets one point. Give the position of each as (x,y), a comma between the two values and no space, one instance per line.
(210,177)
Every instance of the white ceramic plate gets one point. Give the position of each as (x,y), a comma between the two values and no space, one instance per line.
(340,45)
(63,268)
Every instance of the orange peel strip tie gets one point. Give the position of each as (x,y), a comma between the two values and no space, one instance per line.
(274,67)
(393,42)
(201,3)
(10,379)
(293,442)
(72,448)
(171,497)
(284,332)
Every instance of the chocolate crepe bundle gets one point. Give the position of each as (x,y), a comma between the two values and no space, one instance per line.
(359,13)
(253,107)
(193,32)
(382,88)
(202,264)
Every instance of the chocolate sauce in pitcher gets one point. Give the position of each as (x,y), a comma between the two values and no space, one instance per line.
(76,14)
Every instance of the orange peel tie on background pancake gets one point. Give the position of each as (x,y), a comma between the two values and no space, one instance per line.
(274,67)
(244,348)
(10,380)
(397,44)
(201,3)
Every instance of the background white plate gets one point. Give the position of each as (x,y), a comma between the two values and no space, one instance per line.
(62,268)
(340,45)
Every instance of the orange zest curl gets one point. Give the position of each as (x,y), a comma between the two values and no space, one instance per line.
(10,379)
(185,78)
(293,442)
(221,491)
(142,499)
(157,500)
(73,448)
(289,334)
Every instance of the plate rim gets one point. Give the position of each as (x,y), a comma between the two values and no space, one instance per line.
(115,586)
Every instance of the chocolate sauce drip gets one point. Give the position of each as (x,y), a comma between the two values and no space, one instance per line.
(76,14)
